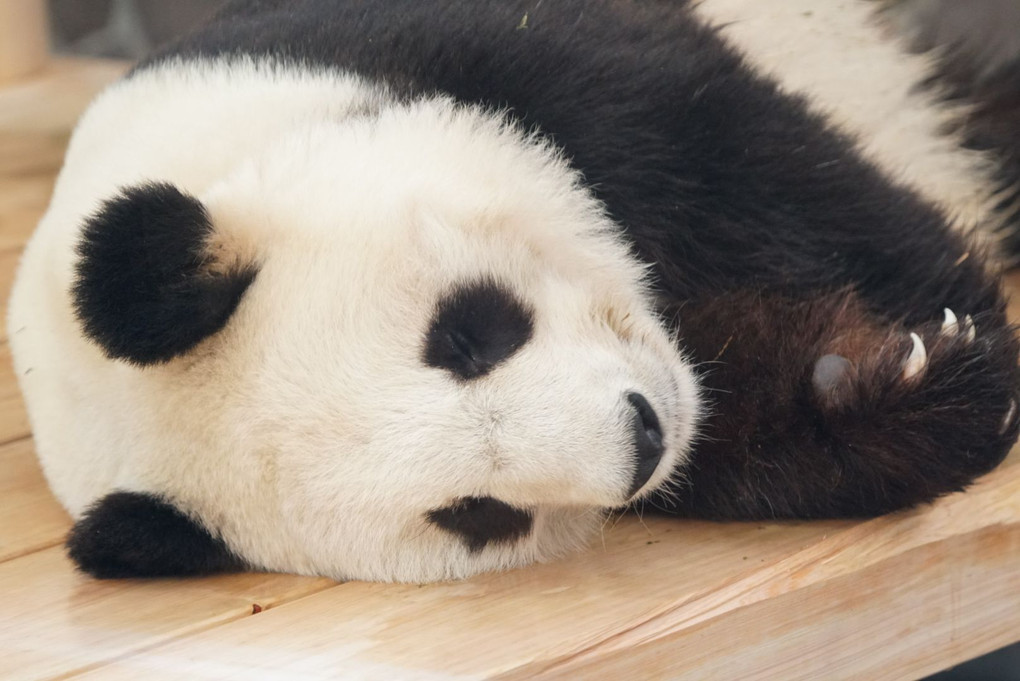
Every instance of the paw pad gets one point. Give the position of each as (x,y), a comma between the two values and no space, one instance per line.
(830,372)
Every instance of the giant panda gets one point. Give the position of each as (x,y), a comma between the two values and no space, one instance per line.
(409,291)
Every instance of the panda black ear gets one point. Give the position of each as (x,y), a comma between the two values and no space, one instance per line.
(147,289)
(133,534)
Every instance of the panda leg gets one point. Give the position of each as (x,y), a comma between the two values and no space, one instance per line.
(135,534)
(821,408)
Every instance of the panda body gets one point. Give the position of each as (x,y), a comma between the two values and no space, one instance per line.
(408,292)
(156,425)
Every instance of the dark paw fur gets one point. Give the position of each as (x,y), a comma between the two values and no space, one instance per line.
(134,534)
(824,408)
(930,407)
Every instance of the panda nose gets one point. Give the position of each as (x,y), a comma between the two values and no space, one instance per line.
(647,441)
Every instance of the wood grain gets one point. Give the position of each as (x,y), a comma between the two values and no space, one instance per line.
(24,43)
(51,102)
(30,517)
(22,202)
(904,618)
(898,597)
(55,621)
(8,265)
(13,419)
(493,623)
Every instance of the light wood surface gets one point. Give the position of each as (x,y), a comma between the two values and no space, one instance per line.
(30,518)
(24,42)
(896,597)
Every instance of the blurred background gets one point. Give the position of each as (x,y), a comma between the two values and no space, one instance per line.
(984,32)
(125,29)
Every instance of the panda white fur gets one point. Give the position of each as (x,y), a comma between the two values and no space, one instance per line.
(409,291)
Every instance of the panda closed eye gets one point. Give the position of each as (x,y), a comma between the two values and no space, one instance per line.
(475,328)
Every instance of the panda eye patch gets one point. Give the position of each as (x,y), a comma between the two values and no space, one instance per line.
(476,327)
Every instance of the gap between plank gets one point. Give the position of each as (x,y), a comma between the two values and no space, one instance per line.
(225,621)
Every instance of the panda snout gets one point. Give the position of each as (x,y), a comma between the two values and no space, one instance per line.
(647,438)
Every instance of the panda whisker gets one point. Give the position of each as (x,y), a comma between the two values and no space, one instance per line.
(640,516)
(661,508)
(602,528)
(619,517)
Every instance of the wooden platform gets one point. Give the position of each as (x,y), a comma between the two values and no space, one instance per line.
(897,597)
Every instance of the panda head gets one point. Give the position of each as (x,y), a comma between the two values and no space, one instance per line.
(410,347)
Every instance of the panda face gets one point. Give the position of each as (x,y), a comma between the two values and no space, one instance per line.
(451,368)
(444,360)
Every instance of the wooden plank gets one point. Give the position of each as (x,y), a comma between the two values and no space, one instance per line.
(24,192)
(30,517)
(29,154)
(18,222)
(55,621)
(51,102)
(492,623)
(8,267)
(904,618)
(13,419)
(36,119)
(24,39)
(898,597)
(656,596)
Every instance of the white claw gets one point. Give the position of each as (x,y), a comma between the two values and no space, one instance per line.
(971,332)
(917,360)
(1007,421)
(950,326)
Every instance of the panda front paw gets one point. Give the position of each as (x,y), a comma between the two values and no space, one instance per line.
(942,391)
(828,408)
(951,330)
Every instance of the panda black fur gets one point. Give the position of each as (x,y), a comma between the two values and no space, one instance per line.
(449,279)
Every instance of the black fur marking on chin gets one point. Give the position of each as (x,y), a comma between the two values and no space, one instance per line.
(143,289)
(133,534)
(480,521)
(475,328)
